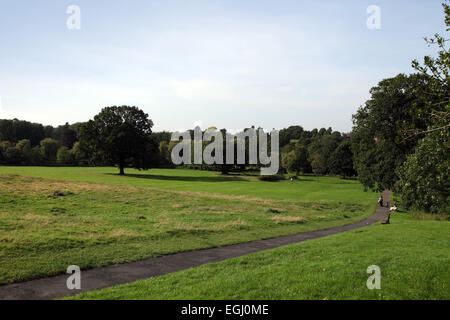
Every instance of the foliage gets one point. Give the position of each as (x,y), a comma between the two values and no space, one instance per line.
(341,160)
(49,148)
(24,147)
(296,160)
(319,164)
(120,136)
(16,130)
(424,177)
(12,155)
(67,136)
(293,138)
(290,133)
(381,127)
(164,154)
(64,156)
(36,156)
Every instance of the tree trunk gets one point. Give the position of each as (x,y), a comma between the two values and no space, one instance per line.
(122,172)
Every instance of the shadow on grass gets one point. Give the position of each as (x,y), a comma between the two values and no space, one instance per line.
(181,178)
(305,179)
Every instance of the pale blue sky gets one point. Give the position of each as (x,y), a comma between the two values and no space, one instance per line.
(225,63)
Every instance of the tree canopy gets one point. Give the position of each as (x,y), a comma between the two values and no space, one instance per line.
(120,135)
(400,137)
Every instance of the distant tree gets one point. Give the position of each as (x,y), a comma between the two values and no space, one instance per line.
(341,160)
(64,156)
(120,136)
(290,133)
(3,146)
(5,129)
(15,130)
(296,160)
(164,153)
(286,159)
(13,155)
(328,144)
(162,136)
(49,148)
(319,164)
(76,127)
(36,157)
(24,146)
(79,155)
(49,132)
(67,136)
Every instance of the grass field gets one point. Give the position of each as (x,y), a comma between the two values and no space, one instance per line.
(413,256)
(99,218)
(311,188)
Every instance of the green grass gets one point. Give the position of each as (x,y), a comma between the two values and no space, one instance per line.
(306,188)
(104,218)
(413,255)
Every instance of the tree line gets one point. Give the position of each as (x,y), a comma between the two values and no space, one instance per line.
(98,143)
(319,151)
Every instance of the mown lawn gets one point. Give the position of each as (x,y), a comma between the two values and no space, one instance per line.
(413,255)
(307,188)
(99,218)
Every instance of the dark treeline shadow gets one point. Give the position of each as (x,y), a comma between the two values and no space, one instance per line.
(182,178)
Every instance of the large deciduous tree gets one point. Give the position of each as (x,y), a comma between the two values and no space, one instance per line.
(380,131)
(401,136)
(120,135)
(424,178)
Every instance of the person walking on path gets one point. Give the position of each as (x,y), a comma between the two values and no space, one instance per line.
(380,201)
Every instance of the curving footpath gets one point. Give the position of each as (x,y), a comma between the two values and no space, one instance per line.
(98,278)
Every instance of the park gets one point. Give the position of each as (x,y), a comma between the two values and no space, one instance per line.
(100,218)
(107,195)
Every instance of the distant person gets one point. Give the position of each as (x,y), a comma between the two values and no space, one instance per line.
(380,201)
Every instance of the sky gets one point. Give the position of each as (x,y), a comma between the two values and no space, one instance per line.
(229,64)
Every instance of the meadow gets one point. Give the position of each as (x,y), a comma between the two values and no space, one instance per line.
(413,256)
(51,218)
